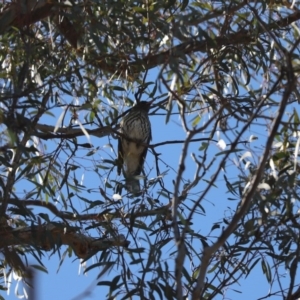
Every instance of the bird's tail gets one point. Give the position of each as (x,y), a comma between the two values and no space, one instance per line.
(133,185)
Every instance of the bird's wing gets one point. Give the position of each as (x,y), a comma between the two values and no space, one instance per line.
(143,157)
(120,160)
(150,136)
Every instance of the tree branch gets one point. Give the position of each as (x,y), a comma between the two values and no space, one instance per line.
(50,236)
(164,210)
(245,202)
(36,11)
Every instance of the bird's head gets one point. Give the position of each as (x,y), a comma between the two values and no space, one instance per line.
(145,105)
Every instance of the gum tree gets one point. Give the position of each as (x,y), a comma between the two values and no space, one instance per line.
(225,72)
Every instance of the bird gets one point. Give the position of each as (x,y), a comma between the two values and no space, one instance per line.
(135,128)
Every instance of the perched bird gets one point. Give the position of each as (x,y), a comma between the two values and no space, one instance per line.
(132,149)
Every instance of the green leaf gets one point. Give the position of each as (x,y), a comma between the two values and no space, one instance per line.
(204,146)
(266,270)
(196,121)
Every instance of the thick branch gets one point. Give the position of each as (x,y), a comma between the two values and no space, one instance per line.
(44,131)
(64,215)
(49,236)
(241,37)
(24,13)
(35,11)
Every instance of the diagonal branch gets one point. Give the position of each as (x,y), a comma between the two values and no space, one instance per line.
(245,202)
(20,15)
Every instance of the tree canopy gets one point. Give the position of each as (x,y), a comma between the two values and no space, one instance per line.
(223,76)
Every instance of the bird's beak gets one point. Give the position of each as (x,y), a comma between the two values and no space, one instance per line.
(150,102)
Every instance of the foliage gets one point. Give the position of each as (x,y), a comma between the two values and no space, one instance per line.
(226,71)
